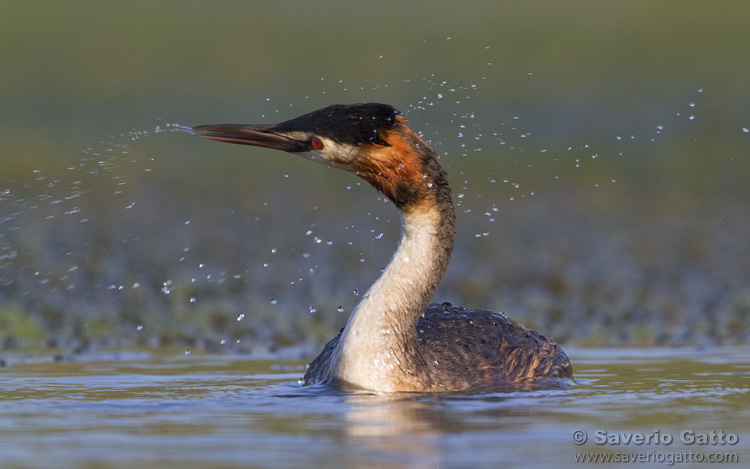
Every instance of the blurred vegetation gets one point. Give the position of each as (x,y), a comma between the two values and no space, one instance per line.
(597,154)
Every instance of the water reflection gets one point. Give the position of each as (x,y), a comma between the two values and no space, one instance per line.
(232,412)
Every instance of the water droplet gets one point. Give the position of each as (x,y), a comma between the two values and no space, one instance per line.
(139,328)
(340,309)
(313,310)
(187,352)
(240,317)
(745,129)
(192,299)
(273,250)
(356,292)
(273,301)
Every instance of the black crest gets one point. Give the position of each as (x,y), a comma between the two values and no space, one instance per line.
(354,124)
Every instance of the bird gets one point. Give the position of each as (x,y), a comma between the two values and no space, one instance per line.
(395,340)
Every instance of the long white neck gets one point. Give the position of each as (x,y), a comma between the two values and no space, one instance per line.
(378,348)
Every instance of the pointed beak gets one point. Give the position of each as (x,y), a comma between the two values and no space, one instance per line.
(248,134)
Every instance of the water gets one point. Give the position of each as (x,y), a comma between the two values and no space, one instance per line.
(227,411)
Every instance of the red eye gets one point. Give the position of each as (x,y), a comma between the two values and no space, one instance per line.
(317,143)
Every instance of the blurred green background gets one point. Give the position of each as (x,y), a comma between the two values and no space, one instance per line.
(598,153)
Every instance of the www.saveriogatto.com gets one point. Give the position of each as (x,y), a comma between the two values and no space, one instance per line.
(669,448)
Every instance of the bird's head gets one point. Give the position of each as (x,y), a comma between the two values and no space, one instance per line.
(336,135)
(370,140)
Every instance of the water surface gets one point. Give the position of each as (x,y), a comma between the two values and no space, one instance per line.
(145,410)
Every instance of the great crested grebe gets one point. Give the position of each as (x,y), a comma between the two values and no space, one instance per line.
(395,340)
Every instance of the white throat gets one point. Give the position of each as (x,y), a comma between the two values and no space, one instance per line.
(371,352)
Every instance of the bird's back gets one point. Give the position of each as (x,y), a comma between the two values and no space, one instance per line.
(478,348)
